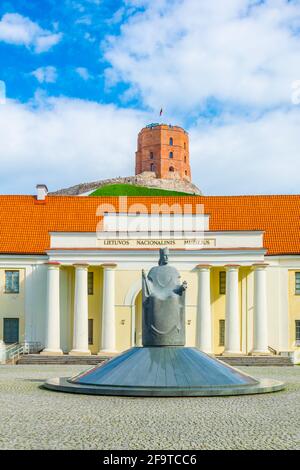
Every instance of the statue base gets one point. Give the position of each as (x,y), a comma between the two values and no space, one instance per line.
(168,371)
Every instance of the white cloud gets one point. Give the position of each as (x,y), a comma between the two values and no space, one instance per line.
(45,74)
(63,142)
(19,30)
(177,54)
(83,73)
(248,156)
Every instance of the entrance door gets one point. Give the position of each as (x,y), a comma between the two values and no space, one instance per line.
(10,330)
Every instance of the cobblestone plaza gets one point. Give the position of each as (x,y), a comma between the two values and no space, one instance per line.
(34,418)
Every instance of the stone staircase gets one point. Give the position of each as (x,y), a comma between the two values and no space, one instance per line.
(274,360)
(258,361)
(65,359)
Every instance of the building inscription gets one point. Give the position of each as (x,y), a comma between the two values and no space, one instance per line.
(186,243)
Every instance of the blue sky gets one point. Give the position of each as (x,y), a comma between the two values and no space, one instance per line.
(75,20)
(83,76)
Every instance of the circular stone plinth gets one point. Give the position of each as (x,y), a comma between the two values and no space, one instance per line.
(62,384)
(166,371)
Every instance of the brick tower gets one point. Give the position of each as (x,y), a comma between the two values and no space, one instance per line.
(164,150)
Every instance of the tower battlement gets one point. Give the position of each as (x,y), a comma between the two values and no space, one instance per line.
(164,150)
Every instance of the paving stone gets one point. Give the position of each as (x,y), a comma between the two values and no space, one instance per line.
(34,418)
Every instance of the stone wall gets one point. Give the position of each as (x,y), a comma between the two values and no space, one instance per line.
(146,179)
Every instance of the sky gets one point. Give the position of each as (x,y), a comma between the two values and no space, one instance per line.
(82,77)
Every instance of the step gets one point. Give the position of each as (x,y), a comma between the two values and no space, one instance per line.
(64,359)
(257,360)
(94,360)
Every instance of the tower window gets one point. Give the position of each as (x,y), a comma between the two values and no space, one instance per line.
(152,167)
(171,155)
(151,155)
(185,159)
(184,145)
(185,173)
(171,141)
(171,169)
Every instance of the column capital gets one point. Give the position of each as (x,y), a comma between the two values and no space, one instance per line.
(259,265)
(203,266)
(229,267)
(52,264)
(81,265)
(109,265)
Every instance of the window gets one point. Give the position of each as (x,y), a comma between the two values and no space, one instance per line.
(90,283)
(171,141)
(185,173)
(12,282)
(185,159)
(91,331)
(151,155)
(171,155)
(221,332)
(184,146)
(297,330)
(171,169)
(297,283)
(152,167)
(222,282)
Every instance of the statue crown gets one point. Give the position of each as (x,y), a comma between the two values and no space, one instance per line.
(163,256)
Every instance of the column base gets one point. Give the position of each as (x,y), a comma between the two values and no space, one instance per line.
(233,353)
(79,352)
(260,353)
(51,352)
(107,352)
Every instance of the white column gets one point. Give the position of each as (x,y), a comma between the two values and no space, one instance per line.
(52,342)
(260,312)
(80,330)
(108,340)
(203,335)
(29,305)
(232,314)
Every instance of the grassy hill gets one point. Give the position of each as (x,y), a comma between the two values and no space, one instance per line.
(131,190)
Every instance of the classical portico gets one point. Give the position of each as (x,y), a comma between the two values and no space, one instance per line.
(117,275)
(94,287)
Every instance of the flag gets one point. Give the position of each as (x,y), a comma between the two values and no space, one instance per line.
(160,112)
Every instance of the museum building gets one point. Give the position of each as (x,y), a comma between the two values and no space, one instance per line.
(70,265)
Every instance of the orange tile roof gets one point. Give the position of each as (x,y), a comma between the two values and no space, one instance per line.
(25,223)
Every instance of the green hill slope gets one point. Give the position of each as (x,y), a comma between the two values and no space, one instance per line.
(131,190)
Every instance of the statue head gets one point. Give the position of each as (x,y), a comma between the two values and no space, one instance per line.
(163,256)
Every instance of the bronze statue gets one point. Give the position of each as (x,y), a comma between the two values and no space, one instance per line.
(163,305)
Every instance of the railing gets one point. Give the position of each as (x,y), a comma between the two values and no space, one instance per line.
(272,350)
(34,346)
(13,352)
